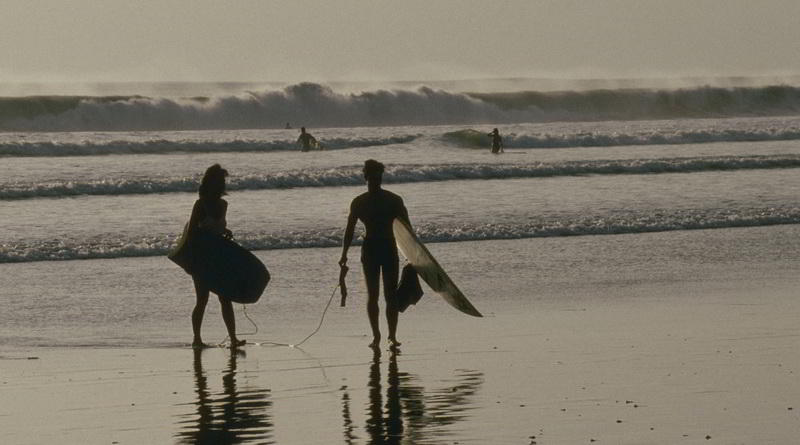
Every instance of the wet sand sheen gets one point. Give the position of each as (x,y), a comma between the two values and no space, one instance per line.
(645,356)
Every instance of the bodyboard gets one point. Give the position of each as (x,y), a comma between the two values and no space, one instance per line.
(429,269)
(223,266)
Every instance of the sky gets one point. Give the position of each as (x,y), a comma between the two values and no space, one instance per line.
(328,40)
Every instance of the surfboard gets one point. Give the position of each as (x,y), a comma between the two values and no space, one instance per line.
(429,269)
(226,268)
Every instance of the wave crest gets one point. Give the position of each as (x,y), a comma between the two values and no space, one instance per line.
(633,222)
(166,146)
(399,174)
(320,106)
(470,138)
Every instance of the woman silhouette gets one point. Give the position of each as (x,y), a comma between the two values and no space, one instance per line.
(208,215)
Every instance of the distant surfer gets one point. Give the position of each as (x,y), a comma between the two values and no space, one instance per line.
(377,209)
(288,126)
(497,141)
(208,214)
(306,141)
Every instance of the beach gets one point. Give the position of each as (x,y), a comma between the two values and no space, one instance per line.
(637,277)
(688,337)
(604,194)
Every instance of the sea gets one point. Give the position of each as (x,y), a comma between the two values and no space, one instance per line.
(98,181)
(113,177)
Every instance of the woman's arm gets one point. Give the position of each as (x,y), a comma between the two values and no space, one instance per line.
(196,217)
(224,220)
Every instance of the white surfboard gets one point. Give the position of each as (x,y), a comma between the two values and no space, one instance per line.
(429,270)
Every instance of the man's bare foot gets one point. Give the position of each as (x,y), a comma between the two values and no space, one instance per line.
(235,343)
(375,343)
(197,344)
(393,343)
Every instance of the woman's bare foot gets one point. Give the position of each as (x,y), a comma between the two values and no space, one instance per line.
(235,343)
(375,343)
(198,344)
(393,343)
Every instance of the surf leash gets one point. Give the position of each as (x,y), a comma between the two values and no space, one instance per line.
(291,345)
(342,284)
(320,320)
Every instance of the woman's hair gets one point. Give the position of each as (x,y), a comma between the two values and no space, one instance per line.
(213,184)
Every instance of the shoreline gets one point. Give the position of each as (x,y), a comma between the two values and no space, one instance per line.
(686,335)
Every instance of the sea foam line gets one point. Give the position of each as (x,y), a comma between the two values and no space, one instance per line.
(624,223)
(398,174)
(166,146)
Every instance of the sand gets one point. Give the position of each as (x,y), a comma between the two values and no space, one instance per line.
(710,358)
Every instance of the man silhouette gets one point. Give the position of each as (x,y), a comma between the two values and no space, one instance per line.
(377,209)
(306,141)
(497,141)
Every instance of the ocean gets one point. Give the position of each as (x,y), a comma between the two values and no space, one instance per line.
(97,188)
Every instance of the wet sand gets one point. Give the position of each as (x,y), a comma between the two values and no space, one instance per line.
(643,373)
(709,358)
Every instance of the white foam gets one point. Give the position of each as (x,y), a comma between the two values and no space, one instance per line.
(352,175)
(617,223)
(321,106)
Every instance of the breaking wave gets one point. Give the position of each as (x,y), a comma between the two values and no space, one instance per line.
(477,139)
(631,222)
(397,174)
(166,146)
(320,106)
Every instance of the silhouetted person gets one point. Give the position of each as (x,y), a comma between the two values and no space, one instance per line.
(377,209)
(497,141)
(208,214)
(306,141)
(288,127)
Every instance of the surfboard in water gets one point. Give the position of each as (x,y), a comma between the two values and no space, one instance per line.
(429,269)
(226,268)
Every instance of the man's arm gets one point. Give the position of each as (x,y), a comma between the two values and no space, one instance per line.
(352,219)
(403,214)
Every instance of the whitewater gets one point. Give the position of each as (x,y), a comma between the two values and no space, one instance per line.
(115,176)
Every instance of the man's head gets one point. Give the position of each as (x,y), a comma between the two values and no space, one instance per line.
(373,171)
(302,129)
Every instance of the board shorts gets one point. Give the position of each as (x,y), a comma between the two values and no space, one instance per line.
(379,252)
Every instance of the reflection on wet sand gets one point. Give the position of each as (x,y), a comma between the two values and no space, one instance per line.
(231,417)
(410,414)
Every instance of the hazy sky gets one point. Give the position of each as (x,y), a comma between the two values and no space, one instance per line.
(394,40)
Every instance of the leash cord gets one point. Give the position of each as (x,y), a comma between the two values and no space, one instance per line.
(320,320)
(319,326)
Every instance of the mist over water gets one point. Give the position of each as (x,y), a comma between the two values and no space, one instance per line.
(324,105)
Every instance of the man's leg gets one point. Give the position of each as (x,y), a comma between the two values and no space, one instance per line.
(371,273)
(391,271)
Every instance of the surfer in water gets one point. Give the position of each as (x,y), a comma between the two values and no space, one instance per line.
(497,141)
(306,141)
(377,209)
(208,214)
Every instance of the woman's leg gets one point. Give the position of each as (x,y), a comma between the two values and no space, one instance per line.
(198,311)
(230,321)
